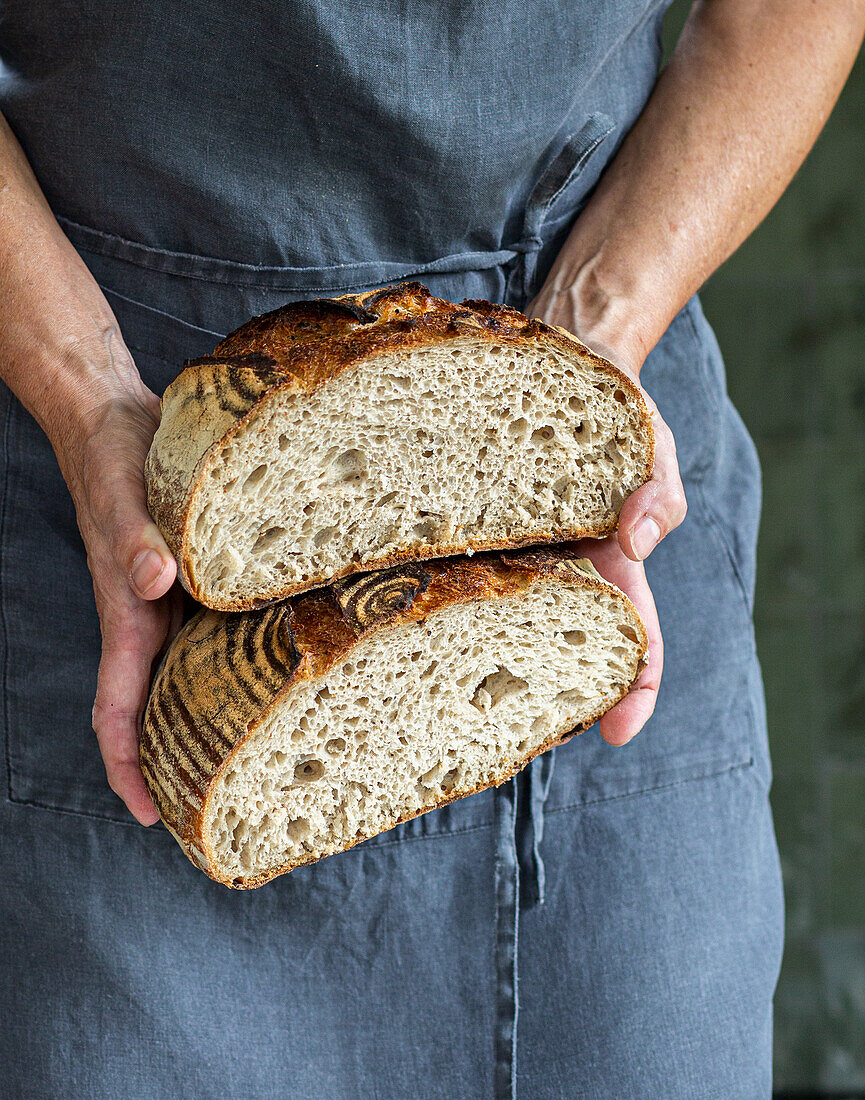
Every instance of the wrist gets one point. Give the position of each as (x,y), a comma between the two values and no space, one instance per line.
(608,304)
(70,380)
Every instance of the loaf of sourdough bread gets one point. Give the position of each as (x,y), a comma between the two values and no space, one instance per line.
(336,436)
(275,737)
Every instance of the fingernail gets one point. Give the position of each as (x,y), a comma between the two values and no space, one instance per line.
(146,570)
(645,537)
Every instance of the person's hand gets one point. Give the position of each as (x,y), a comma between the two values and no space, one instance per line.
(101,451)
(62,355)
(647,516)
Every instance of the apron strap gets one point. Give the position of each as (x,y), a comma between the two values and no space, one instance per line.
(507,919)
(517,851)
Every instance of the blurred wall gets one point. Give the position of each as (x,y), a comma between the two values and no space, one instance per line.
(789,311)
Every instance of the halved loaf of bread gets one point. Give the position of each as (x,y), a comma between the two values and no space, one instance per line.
(273,738)
(341,435)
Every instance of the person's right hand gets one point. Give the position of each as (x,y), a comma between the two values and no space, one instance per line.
(62,356)
(101,451)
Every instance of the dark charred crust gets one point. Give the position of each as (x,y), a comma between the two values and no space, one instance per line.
(254,359)
(544,560)
(411,295)
(314,319)
(497,311)
(330,306)
(268,634)
(374,598)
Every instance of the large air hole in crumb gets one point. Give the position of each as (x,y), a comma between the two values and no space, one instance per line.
(518,429)
(350,466)
(325,535)
(201,522)
(268,538)
(431,777)
(238,834)
(495,688)
(449,780)
(299,830)
(575,697)
(543,435)
(308,771)
(575,637)
(335,745)
(255,478)
(426,529)
(628,631)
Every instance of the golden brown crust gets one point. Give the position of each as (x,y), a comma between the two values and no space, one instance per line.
(214,396)
(300,347)
(225,673)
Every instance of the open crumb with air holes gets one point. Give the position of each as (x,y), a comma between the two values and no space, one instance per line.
(341,435)
(273,738)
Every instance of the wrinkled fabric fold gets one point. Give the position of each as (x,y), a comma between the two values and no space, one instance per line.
(540,775)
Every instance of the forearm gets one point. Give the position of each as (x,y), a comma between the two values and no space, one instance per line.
(748,89)
(60,348)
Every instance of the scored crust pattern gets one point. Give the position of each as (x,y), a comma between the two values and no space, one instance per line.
(375,597)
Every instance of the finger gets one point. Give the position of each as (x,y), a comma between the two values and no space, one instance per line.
(175,603)
(136,543)
(651,512)
(625,720)
(130,642)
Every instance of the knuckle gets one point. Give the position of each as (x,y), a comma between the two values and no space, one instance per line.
(680,503)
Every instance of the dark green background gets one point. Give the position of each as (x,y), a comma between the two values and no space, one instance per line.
(789,311)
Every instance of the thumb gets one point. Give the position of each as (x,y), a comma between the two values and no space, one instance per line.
(138,547)
(151,570)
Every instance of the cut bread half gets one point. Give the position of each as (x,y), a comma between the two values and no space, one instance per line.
(273,738)
(341,435)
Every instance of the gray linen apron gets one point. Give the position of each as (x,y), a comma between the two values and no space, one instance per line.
(607,925)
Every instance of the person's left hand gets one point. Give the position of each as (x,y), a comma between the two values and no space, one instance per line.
(647,516)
